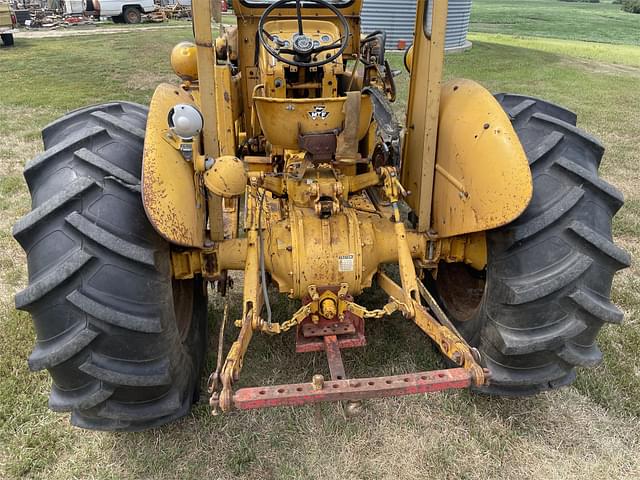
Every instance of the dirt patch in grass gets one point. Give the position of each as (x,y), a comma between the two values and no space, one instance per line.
(602,67)
(144,81)
(80,32)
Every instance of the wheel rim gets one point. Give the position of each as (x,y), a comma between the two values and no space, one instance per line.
(461,289)
(132,16)
(183,306)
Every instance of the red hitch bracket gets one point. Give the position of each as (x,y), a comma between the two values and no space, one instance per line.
(339,388)
(353,389)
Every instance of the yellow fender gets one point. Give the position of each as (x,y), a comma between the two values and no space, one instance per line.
(168,189)
(483,179)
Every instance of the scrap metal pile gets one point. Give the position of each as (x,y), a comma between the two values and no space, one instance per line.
(52,20)
(177,11)
(47,14)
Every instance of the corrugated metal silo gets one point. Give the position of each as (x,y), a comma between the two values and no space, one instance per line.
(397,18)
(458,24)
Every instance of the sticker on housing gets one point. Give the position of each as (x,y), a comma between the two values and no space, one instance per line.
(319,113)
(345,263)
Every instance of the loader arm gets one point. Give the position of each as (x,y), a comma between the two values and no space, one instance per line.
(419,155)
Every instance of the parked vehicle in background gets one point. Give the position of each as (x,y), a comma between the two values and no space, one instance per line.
(8,24)
(121,11)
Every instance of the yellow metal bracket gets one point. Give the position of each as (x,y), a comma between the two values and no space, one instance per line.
(185,264)
(470,249)
(252,305)
(419,155)
(451,345)
(393,189)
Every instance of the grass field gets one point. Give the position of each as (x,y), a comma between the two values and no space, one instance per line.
(589,430)
(592,22)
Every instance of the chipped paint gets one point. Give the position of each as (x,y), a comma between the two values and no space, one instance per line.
(168,190)
(483,180)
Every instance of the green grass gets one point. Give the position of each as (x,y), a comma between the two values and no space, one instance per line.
(593,22)
(620,55)
(590,430)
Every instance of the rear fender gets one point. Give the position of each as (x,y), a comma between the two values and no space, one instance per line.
(168,188)
(482,179)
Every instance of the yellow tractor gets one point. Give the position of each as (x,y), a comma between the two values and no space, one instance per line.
(480,218)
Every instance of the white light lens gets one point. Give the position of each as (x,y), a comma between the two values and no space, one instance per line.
(186,121)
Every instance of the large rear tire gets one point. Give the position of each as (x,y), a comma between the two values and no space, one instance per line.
(535,312)
(124,344)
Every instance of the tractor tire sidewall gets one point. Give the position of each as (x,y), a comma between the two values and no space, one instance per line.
(100,285)
(549,273)
(197,336)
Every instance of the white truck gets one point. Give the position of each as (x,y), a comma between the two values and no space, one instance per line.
(128,11)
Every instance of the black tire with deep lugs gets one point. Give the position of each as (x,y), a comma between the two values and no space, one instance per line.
(124,344)
(537,309)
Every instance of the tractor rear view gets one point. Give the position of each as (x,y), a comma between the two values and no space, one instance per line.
(480,218)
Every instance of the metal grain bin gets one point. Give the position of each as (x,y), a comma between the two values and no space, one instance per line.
(458,24)
(397,17)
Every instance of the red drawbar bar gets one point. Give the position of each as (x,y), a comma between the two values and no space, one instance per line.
(353,389)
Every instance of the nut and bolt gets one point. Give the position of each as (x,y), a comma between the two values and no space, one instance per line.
(317,382)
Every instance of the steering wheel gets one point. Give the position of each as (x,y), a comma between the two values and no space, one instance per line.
(301,46)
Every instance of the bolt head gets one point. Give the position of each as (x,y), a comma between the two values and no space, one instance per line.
(317,382)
